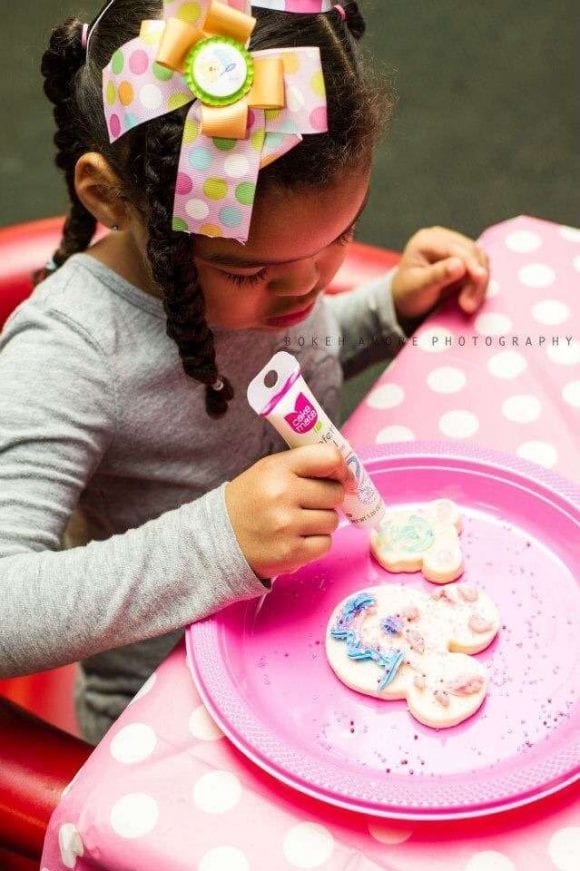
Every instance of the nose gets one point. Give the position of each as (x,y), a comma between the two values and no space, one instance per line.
(295,279)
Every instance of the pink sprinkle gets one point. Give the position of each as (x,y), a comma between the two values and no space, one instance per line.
(468,593)
(442,698)
(477,623)
(411,612)
(419,681)
(416,640)
(465,684)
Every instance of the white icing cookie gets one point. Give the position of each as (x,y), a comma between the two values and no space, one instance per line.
(425,539)
(393,642)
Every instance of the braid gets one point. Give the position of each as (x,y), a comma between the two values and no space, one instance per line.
(171,256)
(61,62)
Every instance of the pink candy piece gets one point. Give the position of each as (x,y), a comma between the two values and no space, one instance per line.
(468,593)
(477,623)
(419,681)
(416,640)
(442,698)
(411,612)
(465,684)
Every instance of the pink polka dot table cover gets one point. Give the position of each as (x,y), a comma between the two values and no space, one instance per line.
(166,790)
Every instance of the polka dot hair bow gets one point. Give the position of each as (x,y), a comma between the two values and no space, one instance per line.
(247,108)
(305,6)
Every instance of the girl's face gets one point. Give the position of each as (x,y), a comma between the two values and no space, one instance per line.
(297,242)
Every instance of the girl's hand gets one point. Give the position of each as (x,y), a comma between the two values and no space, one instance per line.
(283,508)
(437,263)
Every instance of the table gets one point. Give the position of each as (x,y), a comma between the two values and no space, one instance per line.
(166,790)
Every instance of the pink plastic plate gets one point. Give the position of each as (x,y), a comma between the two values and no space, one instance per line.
(260,667)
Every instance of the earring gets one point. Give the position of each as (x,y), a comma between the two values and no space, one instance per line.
(115,227)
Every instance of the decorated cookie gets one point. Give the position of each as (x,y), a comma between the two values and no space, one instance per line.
(425,539)
(394,642)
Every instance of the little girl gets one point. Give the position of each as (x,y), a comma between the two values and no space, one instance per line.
(138,491)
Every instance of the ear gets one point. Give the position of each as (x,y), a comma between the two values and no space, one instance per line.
(99,190)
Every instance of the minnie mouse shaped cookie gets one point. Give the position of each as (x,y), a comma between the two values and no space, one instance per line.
(425,539)
(394,642)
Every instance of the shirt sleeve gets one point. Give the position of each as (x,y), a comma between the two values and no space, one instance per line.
(58,418)
(370,331)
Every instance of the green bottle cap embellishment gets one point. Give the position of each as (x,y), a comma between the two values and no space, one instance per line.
(219,71)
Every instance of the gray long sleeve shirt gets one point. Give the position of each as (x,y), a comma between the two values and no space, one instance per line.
(99,423)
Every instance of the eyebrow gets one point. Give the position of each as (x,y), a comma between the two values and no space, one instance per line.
(218,259)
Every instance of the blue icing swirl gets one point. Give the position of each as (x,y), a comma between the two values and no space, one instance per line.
(415,534)
(350,609)
(390,660)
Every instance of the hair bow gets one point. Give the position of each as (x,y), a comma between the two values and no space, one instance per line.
(248,108)
(304,6)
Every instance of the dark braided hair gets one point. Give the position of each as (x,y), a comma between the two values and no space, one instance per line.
(145,159)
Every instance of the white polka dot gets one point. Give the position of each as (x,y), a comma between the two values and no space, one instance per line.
(490,860)
(217,792)
(386,396)
(538,452)
(550,312)
(224,859)
(564,848)
(571,234)
(492,324)
(203,727)
(507,364)
(435,339)
(446,379)
(236,165)
(151,96)
(459,424)
(295,98)
(571,393)
(134,815)
(493,288)
(564,353)
(70,843)
(522,408)
(523,241)
(308,845)
(394,434)
(133,743)
(197,209)
(277,4)
(537,275)
(389,834)
(147,686)
(576,263)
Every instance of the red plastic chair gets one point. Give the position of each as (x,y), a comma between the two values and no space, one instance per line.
(38,754)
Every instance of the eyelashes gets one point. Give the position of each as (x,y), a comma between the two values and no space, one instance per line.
(246,279)
(256,277)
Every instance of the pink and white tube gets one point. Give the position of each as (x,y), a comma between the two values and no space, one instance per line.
(280,394)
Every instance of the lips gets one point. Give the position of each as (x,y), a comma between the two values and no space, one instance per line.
(291,317)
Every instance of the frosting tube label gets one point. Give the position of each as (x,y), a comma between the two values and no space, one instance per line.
(280,394)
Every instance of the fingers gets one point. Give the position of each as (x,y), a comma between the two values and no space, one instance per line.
(326,494)
(316,523)
(319,461)
(459,259)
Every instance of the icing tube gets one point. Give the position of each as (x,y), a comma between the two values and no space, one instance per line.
(280,394)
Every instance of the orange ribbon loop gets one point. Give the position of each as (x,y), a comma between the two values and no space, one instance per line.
(268,88)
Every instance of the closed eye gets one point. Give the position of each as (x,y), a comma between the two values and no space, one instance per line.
(245,279)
